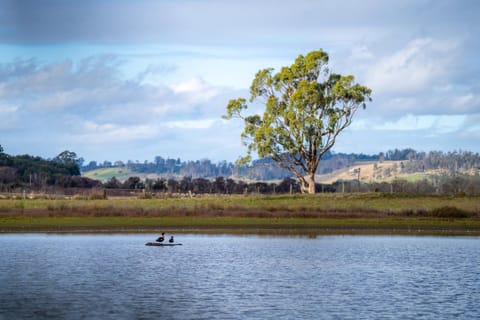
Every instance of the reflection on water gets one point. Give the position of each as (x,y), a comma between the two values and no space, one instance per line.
(239,277)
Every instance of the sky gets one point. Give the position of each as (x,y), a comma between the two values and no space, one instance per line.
(131,80)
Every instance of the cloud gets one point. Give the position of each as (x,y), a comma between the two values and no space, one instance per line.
(421,64)
(466,102)
(433,124)
(361,52)
(65,80)
(94,87)
(8,114)
(160,72)
(191,124)
(69,99)
(217,21)
(95,133)
(196,89)
(426,77)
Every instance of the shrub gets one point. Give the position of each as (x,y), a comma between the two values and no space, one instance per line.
(450,212)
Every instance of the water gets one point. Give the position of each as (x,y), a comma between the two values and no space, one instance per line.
(239,277)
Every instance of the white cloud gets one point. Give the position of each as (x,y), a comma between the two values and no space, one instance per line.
(96,133)
(422,63)
(59,100)
(434,124)
(87,110)
(197,90)
(361,52)
(407,123)
(191,124)
(7,108)
(176,64)
(94,88)
(467,102)
(8,115)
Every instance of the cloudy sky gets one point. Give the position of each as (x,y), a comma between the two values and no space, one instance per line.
(129,80)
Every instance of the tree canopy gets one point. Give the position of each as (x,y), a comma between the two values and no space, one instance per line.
(306,108)
(36,171)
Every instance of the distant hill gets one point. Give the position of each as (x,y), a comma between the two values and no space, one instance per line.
(365,171)
(105,174)
(406,163)
(371,171)
(122,174)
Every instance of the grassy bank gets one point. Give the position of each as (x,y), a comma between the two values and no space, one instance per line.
(242,225)
(323,213)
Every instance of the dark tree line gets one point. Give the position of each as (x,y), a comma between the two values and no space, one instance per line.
(37,172)
(188,185)
(435,185)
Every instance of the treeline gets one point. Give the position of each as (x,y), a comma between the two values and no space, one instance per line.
(453,162)
(26,170)
(442,184)
(260,170)
(460,174)
(187,185)
(267,169)
(445,184)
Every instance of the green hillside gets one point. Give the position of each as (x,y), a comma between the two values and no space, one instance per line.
(105,174)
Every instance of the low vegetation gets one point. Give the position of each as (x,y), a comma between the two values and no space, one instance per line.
(370,212)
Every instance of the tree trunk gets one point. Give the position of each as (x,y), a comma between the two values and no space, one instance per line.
(303,187)
(311,183)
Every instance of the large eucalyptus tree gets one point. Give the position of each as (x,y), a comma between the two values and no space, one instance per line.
(306,108)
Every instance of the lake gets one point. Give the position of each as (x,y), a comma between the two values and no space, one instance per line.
(239,277)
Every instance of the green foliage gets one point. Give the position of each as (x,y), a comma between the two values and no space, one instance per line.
(37,171)
(306,107)
(69,160)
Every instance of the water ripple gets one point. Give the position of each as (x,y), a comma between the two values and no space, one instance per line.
(235,277)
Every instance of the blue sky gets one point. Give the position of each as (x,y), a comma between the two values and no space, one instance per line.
(130,80)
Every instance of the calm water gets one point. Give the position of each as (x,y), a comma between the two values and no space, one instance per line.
(239,277)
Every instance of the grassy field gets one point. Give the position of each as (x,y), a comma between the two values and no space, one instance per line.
(321,213)
(105,174)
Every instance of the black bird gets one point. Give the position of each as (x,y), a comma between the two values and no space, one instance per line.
(161,238)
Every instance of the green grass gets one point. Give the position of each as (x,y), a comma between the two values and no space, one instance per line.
(382,202)
(413,177)
(131,224)
(106,174)
(370,212)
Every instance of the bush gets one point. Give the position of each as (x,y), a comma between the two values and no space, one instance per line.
(450,212)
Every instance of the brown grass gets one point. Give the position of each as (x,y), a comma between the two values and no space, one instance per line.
(64,210)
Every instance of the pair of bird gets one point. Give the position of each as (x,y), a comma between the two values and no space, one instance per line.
(162,238)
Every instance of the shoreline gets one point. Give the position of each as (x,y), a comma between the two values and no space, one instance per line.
(264,232)
(228,225)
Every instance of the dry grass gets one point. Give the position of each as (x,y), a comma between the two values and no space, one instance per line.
(368,205)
